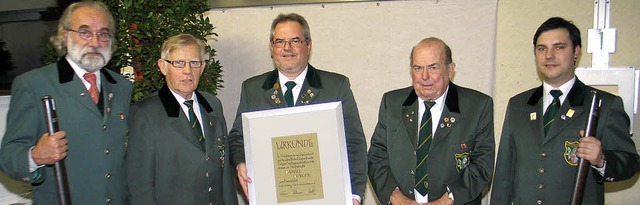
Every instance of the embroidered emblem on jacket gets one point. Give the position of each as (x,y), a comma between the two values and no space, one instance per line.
(570,153)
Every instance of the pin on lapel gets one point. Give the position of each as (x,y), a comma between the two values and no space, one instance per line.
(570,113)
(442,125)
(563,117)
(110,96)
(121,116)
(446,119)
(532,116)
(463,146)
(453,120)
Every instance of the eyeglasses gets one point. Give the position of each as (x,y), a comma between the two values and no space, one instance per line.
(296,42)
(181,64)
(88,35)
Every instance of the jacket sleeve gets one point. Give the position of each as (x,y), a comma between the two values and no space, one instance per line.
(236,138)
(356,142)
(380,175)
(504,171)
(618,147)
(140,159)
(25,120)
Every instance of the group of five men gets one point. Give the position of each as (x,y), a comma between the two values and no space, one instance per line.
(433,143)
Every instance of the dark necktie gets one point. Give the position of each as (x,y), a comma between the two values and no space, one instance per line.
(422,152)
(552,110)
(93,89)
(195,124)
(288,95)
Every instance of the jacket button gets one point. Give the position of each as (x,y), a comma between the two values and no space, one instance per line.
(107,176)
(108,200)
(543,154)
(206,174)
(104,127)
(106,151)
(541,170)
(540,186)
(210,189)
(412,172)
(539,202)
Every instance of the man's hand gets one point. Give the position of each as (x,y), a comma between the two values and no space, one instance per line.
(356,202)
(590,149)
(50,148)
(443,200)
(397,198)
(243,178)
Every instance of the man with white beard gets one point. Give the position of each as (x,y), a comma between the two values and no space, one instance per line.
(92,108)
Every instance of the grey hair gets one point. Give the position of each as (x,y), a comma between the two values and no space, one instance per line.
(65,21)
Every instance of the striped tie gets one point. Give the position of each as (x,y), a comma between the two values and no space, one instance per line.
(195,124)
(422,152)
(552,110)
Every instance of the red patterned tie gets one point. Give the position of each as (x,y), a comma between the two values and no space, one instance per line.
(93,90)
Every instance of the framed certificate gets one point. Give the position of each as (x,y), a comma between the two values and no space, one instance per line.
(297,155)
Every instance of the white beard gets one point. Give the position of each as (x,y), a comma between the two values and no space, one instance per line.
(89,63)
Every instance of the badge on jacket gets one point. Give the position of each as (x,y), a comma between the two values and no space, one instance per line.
(570,153)
(462,160)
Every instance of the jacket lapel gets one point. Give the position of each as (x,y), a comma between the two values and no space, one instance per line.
(571,109)
(108,87)
(74,87)
(311,87)
(272,90)
(450,115)
(410,117)
(177,118)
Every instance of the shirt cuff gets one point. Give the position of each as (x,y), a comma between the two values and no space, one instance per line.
(356,197)
(32,163)
(600,169)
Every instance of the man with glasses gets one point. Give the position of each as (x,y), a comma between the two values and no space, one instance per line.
(177,140)
(433,143)
(295,82)
(92,109)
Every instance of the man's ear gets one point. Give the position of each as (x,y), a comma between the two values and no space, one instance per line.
(162,66)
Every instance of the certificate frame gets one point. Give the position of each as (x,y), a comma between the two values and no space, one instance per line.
(324,120)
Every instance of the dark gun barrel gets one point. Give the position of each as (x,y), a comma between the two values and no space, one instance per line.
(62,184)
(583,165)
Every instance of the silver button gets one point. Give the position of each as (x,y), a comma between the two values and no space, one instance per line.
(543,154)
(206,174)
(412,172)
(540,186)
(108,200)
(108,176)
(108,109)
(104,127)
(210,189)
(106,151)
(539,202)
(541,170)
(207,159)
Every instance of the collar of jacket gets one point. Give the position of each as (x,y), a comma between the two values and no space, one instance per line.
(66,73)
(576,94)
(171,105)
(451,101)
(312,78)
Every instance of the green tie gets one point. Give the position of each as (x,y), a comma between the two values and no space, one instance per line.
(288,95)
(195,124)
(552,110)
(422,152)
